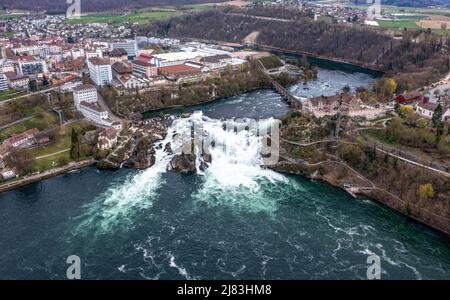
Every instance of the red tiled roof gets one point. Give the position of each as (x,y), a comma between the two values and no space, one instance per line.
(99,61)
(179,70)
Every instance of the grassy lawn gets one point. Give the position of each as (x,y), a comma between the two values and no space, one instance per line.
(63,142)
(41,122)
(271,62)
(199,6)
(401,23)
(47,163)
(140,17)
(9,94)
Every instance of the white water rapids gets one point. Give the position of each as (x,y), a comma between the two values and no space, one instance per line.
(232,178)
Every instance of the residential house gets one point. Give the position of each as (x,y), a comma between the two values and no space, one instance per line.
(107,138)
(408,98)
(24,139)
(117,54)
(427,110)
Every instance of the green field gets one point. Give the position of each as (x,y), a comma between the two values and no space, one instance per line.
(62,143)
(140,17)
(4,95)
(400,23)
(41,122)
(271,62)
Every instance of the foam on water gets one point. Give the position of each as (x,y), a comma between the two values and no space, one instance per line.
(118,204)
(233,178)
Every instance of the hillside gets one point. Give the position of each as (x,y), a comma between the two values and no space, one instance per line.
(418,58)
(93,5)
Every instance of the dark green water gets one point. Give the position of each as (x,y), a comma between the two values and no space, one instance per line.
(234,221)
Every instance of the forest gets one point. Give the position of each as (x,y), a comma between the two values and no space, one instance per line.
(417,58)
(93,5)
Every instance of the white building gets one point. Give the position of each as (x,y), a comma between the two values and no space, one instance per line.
(174,58)
(84,93)
(7,65)
(427,110)
(3,82)
(130,46)
(100,70)
(107,139)
(28,50)
(94,53)
(32,67)
(19,82)
(95,113)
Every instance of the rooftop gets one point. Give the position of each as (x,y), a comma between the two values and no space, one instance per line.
(142,63)
(99,61)
(83,87)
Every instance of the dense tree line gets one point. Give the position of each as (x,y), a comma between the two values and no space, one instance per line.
(93,5)
(303,34)
(278,12)
(418,58)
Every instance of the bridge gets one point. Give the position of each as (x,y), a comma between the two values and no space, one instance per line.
(291,99)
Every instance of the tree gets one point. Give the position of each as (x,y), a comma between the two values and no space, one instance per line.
(32,85)
(438,123)
(19,159)
(45,81)
(75,145)
(405,110)
(390,86)
(346,89)
(426,191)
(437,116)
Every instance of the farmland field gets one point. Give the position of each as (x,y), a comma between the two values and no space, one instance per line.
(141,17)
(400,23)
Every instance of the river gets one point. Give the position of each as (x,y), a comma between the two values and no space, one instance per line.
(233,220)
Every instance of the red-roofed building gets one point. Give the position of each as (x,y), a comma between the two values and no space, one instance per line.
(410,97)
(176,72)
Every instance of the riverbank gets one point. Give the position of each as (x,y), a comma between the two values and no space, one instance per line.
(16,183)
(356,184)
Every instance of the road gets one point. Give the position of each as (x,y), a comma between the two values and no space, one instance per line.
(19,121)
(103,104)
(410,161)
(51,154)
(47,174)
(28,95)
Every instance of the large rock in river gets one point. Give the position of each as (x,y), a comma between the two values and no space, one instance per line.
(184,163)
